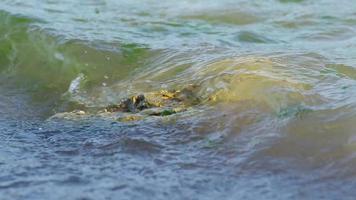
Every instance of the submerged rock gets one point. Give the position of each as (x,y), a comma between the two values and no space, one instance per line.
(133,105)
(161,103)
(75,114)
(162,111)
(128,118)
(152,104)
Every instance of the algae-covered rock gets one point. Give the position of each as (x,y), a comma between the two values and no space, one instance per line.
(168,112)
(153,111)
(75,114)
(129,118)
(162,111)
(133,105)
(189,95)
(161,103)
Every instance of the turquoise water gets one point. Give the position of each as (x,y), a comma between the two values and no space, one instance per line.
(274,82)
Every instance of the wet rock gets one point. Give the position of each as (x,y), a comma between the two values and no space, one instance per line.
(160,103)
(162,111)
(133,105)
(75,114)
(188,95)
(168,112)
(129,118)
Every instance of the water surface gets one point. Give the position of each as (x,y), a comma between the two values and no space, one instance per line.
(276,80)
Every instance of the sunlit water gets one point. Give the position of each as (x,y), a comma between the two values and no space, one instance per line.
(277,81)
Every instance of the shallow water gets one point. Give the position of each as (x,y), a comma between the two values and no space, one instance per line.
(275,80)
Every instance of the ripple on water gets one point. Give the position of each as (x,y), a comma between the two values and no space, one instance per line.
(251,37)
(235,17)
